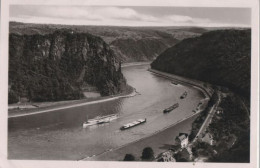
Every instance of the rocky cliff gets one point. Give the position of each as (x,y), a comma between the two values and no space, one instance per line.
(130,44)
(59,65)
(220,57)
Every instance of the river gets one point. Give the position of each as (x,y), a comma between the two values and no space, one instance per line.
(59,135)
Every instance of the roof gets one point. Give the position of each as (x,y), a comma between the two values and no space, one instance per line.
(182,137)
(207,138)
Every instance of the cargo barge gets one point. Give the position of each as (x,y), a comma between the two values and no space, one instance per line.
(171,108)
(133,124)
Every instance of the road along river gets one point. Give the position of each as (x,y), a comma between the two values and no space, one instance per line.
(58,135)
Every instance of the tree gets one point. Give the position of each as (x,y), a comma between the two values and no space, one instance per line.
(147,154)
(129,157)
(12,97)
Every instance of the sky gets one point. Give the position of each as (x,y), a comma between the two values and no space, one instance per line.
(132,15)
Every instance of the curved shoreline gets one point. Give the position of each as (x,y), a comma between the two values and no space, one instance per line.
(171,77)
(194,83)
(133,93)
(77,104)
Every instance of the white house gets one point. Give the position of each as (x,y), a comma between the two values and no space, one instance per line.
(182,139)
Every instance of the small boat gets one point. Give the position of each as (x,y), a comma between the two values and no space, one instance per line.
(100,120)
(184,95)
(133,124)
(171,108)
(174,83)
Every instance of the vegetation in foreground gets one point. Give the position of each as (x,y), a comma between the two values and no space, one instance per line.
(230,130)
(147,155)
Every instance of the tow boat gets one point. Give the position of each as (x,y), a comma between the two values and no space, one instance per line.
(174,83)
(133,124)
(183,95)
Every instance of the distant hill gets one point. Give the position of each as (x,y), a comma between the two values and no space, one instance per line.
(220,57)
(60,65)
(130,44)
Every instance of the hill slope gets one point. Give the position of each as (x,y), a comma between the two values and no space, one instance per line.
(220,57)
(59,65)
(130,44)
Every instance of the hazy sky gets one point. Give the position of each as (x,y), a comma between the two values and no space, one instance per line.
(131,16)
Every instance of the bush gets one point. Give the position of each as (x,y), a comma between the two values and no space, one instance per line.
(12,97)
(129,157)
(147,154)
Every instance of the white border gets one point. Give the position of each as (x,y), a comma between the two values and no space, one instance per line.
(253,4)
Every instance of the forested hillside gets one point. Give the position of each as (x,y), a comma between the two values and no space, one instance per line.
(221,57)
(59,65)
(130,44)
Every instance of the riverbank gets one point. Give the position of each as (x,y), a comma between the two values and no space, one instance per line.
(59,135)
(135,64)
(203,87)
(30,108)
(229,132)
(160,140)
(52,106)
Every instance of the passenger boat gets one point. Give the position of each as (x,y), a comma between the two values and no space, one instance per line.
(184,95)
(100,120)
(133,124)
(171,108)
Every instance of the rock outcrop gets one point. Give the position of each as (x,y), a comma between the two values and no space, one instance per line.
(58,65)
(130,44)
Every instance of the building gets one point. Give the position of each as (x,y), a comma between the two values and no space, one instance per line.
(208,138)
(182,140)
(166,157)
(219,111)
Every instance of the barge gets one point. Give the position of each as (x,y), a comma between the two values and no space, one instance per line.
(133,124)
(171,108)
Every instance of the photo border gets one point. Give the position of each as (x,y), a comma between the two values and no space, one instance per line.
(254,118)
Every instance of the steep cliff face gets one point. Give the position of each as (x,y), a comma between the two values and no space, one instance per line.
(220,57)
(130,44)
(58,65)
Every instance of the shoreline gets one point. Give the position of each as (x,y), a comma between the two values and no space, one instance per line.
(146,137)
(57,105)
(183,80)
(73,103)
(172,77)
(149,137)
(135,64)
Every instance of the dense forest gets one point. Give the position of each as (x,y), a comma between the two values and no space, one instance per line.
(59,65)
(221,57)
(231,130)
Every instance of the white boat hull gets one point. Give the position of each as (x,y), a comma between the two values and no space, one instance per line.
(100,120)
